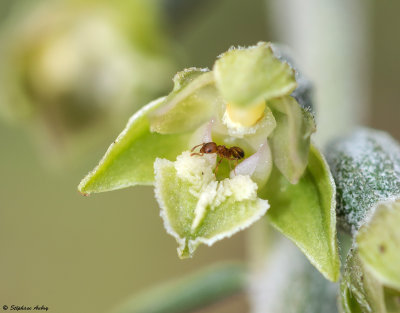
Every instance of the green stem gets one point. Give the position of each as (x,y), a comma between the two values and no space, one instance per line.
(191,292)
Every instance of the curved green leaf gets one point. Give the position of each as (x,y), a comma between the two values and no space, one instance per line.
(305,213)
(247,76)
(130,158)
(379,244)
(197,208)
(193,101)
(290,140)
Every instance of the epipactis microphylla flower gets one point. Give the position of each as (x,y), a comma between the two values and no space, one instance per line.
(248,101)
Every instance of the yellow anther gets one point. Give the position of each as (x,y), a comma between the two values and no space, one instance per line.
(246,116)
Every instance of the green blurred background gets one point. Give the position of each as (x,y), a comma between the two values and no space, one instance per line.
(83,255)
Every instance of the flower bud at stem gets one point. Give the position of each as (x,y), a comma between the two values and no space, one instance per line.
(247,116)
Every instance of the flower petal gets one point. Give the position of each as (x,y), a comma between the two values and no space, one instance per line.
(193,101)
(247,76)
(290,141)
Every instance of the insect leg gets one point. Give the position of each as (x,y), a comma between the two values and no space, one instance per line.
(216,168)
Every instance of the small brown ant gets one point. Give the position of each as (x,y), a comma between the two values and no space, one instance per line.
(231,154)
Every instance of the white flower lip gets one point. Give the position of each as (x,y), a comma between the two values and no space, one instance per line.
(258,166)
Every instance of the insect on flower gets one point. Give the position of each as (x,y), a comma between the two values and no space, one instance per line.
(231,154)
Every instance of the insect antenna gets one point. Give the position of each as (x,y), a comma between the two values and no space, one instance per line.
(196,147)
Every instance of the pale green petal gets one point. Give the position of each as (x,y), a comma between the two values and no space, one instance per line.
(193,101)
(129,160)
(392,300)
(362,292)
(379,243)
(290,141)
(198,209)
(247,76)
(305,213)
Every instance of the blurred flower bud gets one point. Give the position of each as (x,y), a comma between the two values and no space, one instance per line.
(74,67)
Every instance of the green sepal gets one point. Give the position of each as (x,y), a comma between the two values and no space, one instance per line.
(362,292)
(379,244)
(290,140)
(193,101)
(247,76)
(129,160)
(305,213)
(359,291)
(198,209)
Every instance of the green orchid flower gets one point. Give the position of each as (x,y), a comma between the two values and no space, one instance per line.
(245,101)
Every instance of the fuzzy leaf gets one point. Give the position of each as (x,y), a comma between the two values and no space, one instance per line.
(366,169)
(290,140)
(305,213)
(198,209)
(129,160)
(379,244)
(248,76)
(193,101)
